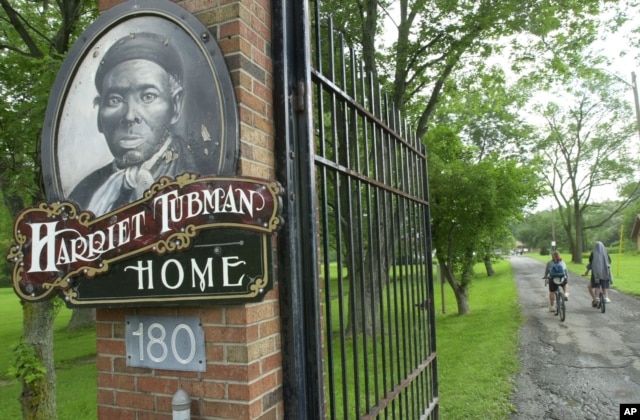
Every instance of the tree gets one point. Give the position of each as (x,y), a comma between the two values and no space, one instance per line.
(471,200)
(479,174)
(587,145)
(539,229)
(425,42)
(34,38)
(432,41)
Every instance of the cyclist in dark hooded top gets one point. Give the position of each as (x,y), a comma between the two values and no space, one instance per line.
(600,263)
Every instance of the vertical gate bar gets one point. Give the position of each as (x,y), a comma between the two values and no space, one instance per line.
(361,212)
(432,313)
(380,216)
(302,376)
(353,260)
(341,293)
(368,281)
(396,229)
(403,217)
(321,146)
(332,76)
(339,216)
(395,217)
(328,290)
(375,264)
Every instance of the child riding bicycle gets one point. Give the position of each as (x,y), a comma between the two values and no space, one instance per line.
(556,268)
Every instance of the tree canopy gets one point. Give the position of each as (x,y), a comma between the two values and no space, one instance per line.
(588,143)
(34,38)
(464,72)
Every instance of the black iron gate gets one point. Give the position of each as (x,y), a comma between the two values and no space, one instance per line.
(356,280)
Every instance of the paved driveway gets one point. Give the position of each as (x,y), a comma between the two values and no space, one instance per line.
(583,368)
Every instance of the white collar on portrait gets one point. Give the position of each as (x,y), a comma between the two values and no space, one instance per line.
(137,178)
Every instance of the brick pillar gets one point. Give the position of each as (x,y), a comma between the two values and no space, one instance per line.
(243,379)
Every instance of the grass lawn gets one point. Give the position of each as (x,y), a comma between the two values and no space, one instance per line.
(477,353)
(74,355)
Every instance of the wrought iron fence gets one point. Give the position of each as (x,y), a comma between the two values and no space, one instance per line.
(374,251)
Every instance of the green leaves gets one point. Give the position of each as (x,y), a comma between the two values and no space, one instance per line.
(27,366)
(34,40)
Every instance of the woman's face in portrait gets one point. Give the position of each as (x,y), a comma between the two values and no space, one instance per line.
(136,110)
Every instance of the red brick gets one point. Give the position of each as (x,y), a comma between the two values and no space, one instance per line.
(105,397)
(269,327)
(156,311)
(271,362)
(155,415)
(272,399)
(226,410)
(112,315)
(272,413)
(251,101)
(230,334)
(263,92)
(104,329)
(239,392)
(119,330)
(227,372)
(229,29)
(115,413)
(248,392)
(107,4)
(104,363)
(157,385)
(214,352)
(181,374)
(115,347)
(134,400)
(120,366)
(108,380)
(212,316)
(205,389)
(245,115)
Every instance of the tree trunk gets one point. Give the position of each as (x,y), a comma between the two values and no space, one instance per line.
(579,223)
(460,291)
(488,265)
(38,399)
(463,302)
(82,318)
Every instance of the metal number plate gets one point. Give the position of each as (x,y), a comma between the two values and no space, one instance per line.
(171,343)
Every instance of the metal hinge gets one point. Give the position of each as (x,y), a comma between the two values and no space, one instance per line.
(298,97)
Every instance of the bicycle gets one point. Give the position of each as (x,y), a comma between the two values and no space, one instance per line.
(561,308)
(600,299)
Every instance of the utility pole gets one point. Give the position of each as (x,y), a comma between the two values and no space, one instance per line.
(634,87)
(553,232)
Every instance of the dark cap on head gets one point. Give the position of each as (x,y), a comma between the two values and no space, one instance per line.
(141,46)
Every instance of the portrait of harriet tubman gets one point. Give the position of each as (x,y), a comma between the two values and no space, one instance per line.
(140,100)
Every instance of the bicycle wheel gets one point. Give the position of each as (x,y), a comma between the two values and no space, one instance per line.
(602,302)
(562,309)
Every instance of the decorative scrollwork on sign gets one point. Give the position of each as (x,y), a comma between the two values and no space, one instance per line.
(55,242)
(258,286)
